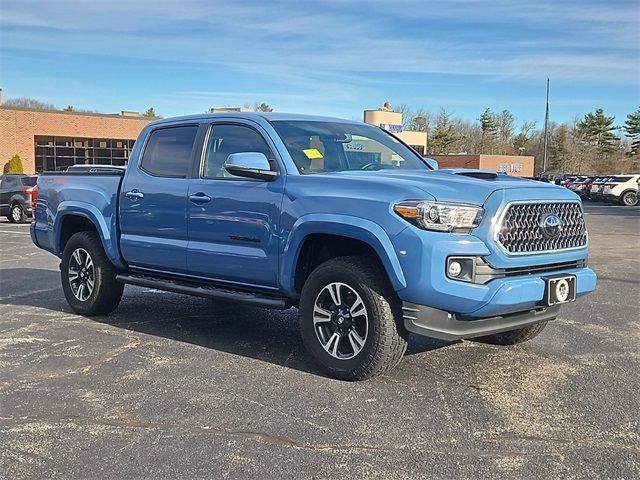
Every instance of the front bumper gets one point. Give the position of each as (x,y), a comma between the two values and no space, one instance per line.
(435,323)
(423,256)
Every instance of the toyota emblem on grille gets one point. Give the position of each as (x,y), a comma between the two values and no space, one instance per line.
(551,225)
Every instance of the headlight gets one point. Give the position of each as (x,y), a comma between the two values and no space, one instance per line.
(439,216)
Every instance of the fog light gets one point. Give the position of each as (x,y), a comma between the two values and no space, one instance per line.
(461,268)
(455,269)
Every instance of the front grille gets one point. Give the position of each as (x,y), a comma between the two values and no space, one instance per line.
(521,231)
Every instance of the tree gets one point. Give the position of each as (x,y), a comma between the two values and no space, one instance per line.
(505,122)
(15,165)
(489,128)
(558,149)
(418,120)
(521,140)
(632,130)
(445,136)
(26,102)
(597,129)
(150,113)
(262,107)
(68,108)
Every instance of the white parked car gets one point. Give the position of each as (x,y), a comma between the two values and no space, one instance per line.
(622,189)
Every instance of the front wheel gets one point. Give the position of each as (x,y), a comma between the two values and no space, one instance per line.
(350,319)
(88,277)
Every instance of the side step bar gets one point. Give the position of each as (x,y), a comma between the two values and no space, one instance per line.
(205,290)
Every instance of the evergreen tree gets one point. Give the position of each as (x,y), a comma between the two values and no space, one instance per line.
(632,130)
(68,108)
(489,128)
(262,107)
(150,113)
(445,136)
(597,129)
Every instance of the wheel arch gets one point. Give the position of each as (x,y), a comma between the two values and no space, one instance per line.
(73,217)
(358,235)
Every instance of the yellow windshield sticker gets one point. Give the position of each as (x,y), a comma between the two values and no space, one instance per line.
(312,153)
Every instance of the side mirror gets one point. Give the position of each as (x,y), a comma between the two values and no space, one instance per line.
(250,165)
(432,163)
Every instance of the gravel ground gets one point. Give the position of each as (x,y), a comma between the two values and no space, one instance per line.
(174,387)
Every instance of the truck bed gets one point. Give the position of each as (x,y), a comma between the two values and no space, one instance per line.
(93,195)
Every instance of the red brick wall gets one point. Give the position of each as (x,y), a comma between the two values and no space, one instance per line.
(19,126)
(457,161)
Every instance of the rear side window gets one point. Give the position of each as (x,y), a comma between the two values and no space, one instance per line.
(168,151)
(621,179)
(29,181)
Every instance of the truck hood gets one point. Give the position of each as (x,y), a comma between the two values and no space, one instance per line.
(453,185)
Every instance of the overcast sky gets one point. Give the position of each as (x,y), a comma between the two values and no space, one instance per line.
(335,57)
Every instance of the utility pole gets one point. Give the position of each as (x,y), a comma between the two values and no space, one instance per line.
(546,130)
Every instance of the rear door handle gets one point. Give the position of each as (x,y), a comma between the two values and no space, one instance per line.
(200,197)
(134,195)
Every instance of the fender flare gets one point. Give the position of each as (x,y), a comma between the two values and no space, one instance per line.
(343,225)
(16,199)
(93,214)
(627,191)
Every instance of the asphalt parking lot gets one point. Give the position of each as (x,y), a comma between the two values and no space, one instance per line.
(174,387)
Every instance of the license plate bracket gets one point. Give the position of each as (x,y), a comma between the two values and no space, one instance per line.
(560,289)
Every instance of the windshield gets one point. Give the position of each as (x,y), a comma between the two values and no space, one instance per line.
(318,147)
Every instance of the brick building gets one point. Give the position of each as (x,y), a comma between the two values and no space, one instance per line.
(54,140)
(516,165)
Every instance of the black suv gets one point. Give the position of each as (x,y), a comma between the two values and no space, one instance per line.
(16,191)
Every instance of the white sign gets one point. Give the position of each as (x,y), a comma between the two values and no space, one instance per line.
(511,167)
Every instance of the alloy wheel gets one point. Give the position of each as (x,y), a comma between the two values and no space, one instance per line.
(340,321)
(81,274)
(16,213)
(630,199)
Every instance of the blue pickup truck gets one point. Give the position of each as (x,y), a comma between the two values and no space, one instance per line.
(337,218)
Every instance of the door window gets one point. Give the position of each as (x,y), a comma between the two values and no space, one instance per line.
(9,182)
(227,139)
(168,151)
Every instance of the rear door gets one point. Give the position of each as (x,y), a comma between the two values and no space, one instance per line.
(233,221)
(8,187)
(153,201)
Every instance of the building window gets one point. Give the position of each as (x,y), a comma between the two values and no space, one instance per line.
(59,153)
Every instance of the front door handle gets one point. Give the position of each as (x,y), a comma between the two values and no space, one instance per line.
(199,197)
(134,195)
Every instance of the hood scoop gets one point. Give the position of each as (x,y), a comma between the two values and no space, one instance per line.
(480,174)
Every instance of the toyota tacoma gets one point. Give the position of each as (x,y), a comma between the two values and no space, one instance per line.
(337,218)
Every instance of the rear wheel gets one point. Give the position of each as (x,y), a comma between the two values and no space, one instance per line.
(513,337)
(88,277)
(350,319)
(629,199)
(16,214)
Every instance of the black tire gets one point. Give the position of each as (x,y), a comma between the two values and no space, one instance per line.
(106,292)
(629,199)
(513,337)
(16,214)
(385,339)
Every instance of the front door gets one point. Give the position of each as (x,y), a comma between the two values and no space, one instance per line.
(233,221)
(153,202)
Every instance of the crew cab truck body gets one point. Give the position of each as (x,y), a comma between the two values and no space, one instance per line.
(337,218)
